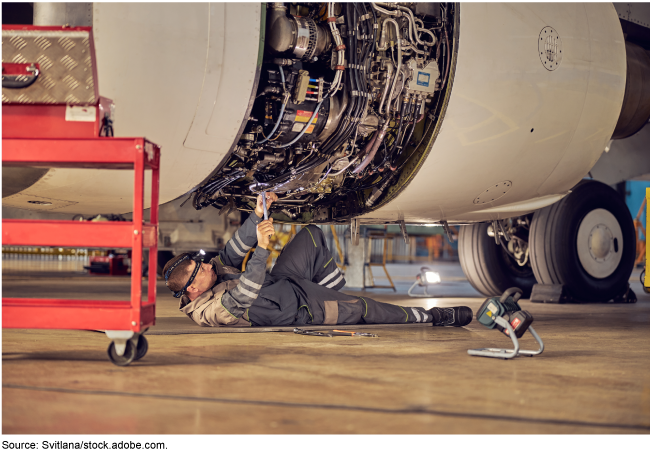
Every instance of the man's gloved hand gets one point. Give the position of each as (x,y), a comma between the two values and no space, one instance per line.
(259,209)
(264,232)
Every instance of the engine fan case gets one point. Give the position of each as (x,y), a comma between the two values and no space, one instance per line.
(510,118)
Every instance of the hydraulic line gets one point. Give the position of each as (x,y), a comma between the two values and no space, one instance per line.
(405,141)
(409,16)
(399,61)
(284,104)
(371,155)
(396,142)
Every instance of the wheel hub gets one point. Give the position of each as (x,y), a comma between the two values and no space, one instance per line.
(600,243)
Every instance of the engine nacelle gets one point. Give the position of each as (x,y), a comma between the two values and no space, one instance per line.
(389,113)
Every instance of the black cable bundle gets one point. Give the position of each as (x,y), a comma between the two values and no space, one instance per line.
(202,194)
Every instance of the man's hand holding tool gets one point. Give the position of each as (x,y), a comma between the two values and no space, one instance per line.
(270,197)
(265,229)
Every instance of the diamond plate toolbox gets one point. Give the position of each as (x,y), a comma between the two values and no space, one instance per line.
(66,59)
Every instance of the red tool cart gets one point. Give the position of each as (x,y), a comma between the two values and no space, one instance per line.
(40,130)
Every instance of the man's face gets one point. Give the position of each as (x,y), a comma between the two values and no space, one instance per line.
(205,278)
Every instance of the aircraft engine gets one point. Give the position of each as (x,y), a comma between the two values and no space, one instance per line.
(352,110)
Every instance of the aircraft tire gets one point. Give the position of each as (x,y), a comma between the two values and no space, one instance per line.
(577,242)
(487,266)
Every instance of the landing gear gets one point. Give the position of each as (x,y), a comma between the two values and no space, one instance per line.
(492,268)
(586,242)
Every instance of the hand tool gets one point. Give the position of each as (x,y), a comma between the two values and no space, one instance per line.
(332,333)
(266,212)
(352,333)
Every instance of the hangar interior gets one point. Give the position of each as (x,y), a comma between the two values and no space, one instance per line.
(441,173)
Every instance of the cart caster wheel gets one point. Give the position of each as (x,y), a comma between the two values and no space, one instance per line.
(124,360)
(142,347)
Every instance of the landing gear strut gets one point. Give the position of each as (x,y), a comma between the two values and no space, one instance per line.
(494,256)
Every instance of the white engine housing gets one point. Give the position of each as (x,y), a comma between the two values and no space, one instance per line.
(508,118)
(183,76)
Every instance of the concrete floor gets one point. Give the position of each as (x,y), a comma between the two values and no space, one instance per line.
(592,378)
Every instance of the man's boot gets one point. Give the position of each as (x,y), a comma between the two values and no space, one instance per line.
(456,316)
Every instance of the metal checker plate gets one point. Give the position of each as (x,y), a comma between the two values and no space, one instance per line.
(65,61)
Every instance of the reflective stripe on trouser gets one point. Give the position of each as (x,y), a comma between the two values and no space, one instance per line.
(367,310)
(306,256)
(378,312)
(333,280)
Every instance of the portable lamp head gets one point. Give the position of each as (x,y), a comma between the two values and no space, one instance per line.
(428,276)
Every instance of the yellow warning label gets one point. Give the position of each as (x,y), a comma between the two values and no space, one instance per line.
(303,116)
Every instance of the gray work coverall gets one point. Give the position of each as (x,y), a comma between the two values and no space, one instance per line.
(302,289)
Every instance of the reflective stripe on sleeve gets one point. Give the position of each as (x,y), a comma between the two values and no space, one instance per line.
(241,244)
(246,292)
(235,249)
(330,276)
(249,283)
(334,283)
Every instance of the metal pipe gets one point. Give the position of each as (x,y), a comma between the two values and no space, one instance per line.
(389,73)
(383,45)
(430,33)
(409,16)
(399,56)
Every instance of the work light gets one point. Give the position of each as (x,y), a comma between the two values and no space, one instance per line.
(425,278)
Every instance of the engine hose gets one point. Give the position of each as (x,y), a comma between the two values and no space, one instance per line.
(377,192)
(370,144)
(358,104)
(378,167)
(407,137)
(284,103)
(401,149)
(371,155)
(398,137)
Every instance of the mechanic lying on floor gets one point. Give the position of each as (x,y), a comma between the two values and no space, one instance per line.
(302,289)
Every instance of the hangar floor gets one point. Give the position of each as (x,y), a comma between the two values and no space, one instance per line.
(592,378)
